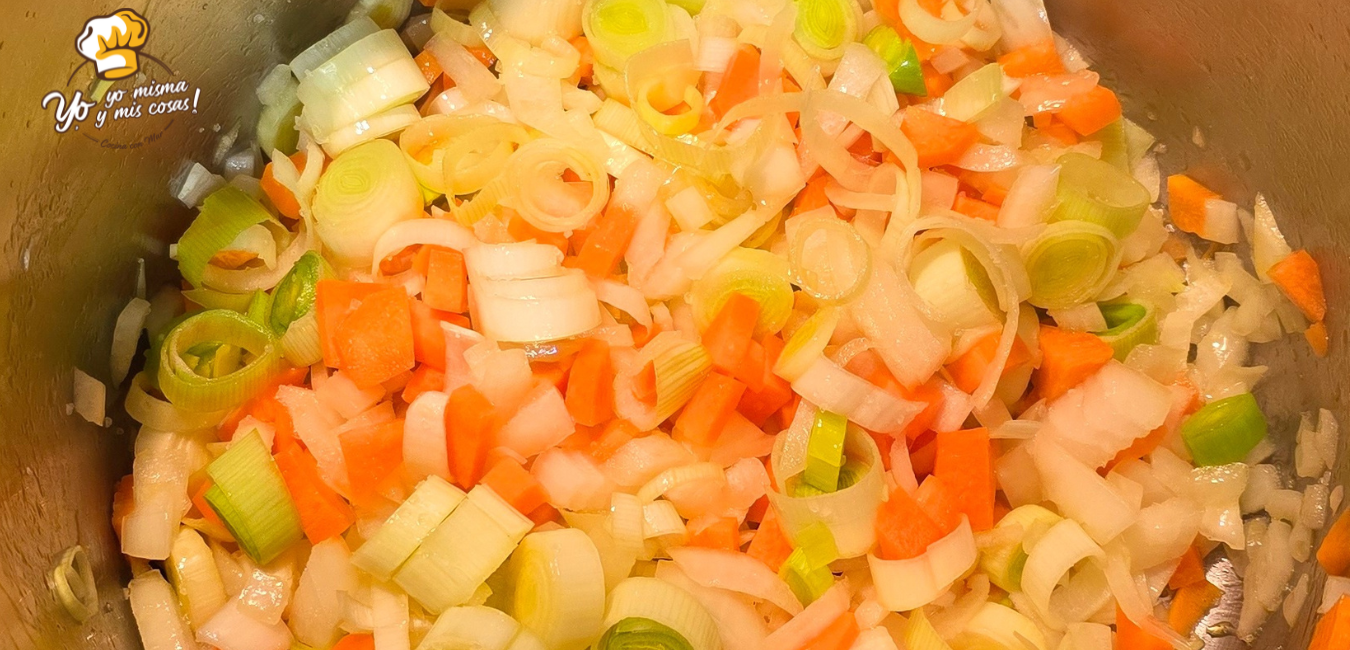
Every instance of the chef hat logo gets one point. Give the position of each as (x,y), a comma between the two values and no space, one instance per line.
(111,43)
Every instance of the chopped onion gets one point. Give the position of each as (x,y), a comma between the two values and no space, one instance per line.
(839,391)
(155,607)
(736,572)
(1080,493)
(90,397)
(932,29)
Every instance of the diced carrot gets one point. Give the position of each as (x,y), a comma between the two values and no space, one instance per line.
(1067,359)
(430,67)
(484,56)
(750,370)
(935,497)
(840,634)
(553,372)
(282,198)
(757,510)
(356,642)
(608,241)
(375,341)
(323,513)
(740,81)
(713,403)
(447,286)
(939,140)
(124,501)
(968,369)
(813,196)
(992,187)
(904,529)
(373,456)
(333,301)
(975,208)
(199,501)
(401,261)
(1333,631)
(936,84)
(641,334)
(1058,131)
(1186,202)
(1334,553)
(644,384)
(1190,604)
(1316,334)
(869,365)
(617,433)
(425,379)
(515,485)
(590,386)
(1090,112)
(722,533)
(923,453)
(759,405)
(770,544)
(586,66)
(729,334)
(428,336)
(965,464)
(1191,571)
(470,429)
(521,230)
(1037,58)
(1299,278)
(1132,637)
(265,407)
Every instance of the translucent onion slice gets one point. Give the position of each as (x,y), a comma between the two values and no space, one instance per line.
(72,581)
(664,603)
(537,309)
(904,585)
(735,571)
(558,588)
(829,260)
(541,196)
(932,29)
(832,388)
(459,154)
(973,96)
(1080,493)
(849,513)
(155,607)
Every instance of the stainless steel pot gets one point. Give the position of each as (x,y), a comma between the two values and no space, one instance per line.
(1248,95)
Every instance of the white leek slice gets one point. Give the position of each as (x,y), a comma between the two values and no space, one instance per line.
(954,286)
(656,600)
(559,588)
(1268,243)
(193,572)
(850,513)
(316,607)
(463,551)
(155,606)
(126,334)
(996,625)
(475,627)
(1062,547)
(328,47)
(676,477)
(904,585)
(403,532)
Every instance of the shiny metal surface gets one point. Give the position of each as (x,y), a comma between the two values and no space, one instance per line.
(1265,83)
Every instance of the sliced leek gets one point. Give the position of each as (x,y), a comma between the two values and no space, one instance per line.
(754,273)
(618,29)
(954,285)
(1128,324)
(182,381)
(1069,263)
(807,344)
(1097,192)
(251,498)
(661,602)
(829,259)
(825,27)
(424,510)
(559,588)
(902,60)
(226,212)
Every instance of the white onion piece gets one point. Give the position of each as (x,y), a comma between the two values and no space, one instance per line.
(233,629)
(642,459)
(1163,532)
(437,232)
(791,460)
(126,335)
(888,314)
(989,158)
(624,297)
(1268,243)
(839,391)
(1218,489)
(930,28)
(471,77)
(1106,413)
(572,480)
(939,190)
(90,397)
(1086,317)
(1133,598)
(541,422)
(1080,492)
(813,620)
(1024,22)
(904,585)
(1030,198)
(154,604)
(424,445)
(1333,591)
(850,513)
(735,571)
